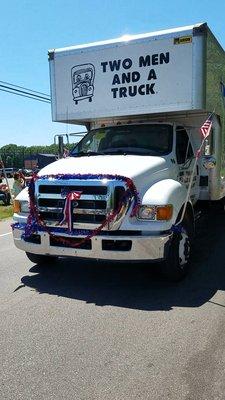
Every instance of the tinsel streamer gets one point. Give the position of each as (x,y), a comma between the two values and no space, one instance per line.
(35,222)
(67,216)
(177,228)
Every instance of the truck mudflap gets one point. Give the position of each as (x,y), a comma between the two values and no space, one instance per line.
(115,248)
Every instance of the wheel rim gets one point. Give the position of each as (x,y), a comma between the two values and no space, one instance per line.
(184,248)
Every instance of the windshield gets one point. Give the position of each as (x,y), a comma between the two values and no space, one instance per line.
(148,139)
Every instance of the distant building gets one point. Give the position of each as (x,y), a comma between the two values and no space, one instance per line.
(31,162)
(38,160)
(45,159)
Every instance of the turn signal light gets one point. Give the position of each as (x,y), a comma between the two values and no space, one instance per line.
(164,213)
(16,206)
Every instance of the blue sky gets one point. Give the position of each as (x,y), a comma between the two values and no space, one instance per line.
(29,28)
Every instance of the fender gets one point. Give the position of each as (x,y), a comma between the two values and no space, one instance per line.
(167,191)
(23,195)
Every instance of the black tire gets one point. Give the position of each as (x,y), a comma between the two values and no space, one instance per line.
(177,264)
(40,259)
(222,204)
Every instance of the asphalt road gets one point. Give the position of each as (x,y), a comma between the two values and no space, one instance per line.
(83,330)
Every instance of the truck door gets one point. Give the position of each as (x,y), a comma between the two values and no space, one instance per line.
(185,160)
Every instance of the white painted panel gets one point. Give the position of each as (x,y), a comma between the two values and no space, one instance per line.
(112,80)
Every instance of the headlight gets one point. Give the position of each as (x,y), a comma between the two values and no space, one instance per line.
(24,206)
(147,212)
(20,206)
(156,213)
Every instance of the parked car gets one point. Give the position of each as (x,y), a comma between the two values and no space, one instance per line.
(9,172)
(27,172)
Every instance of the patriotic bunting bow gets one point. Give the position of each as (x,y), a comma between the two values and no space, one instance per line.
(67,211)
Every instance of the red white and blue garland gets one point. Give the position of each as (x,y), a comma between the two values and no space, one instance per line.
(35,223)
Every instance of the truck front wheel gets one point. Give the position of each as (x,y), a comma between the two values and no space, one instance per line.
(40,259)
(177,263)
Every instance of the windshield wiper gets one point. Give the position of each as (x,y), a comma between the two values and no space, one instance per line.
(133,151)
(116,151)
(87,153)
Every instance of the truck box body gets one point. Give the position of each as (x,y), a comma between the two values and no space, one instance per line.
(167,71)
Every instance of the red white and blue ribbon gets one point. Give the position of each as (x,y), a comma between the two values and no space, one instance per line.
(67,212)
(35,223)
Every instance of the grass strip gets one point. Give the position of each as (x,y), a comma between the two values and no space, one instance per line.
(5,212)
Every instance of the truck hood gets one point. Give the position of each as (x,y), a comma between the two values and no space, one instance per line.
(130,166)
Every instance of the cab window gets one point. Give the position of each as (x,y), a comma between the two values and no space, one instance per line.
(184,149)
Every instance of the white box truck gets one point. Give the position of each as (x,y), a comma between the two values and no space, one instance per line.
(129,188)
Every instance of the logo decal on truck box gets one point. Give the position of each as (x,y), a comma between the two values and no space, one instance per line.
(139,73)
(183,40)
(83,82)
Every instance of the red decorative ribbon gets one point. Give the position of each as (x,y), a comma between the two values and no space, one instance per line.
(67,211)
(35,220)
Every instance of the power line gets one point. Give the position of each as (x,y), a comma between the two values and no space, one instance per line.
(29,96)
(25,92)
(21,87)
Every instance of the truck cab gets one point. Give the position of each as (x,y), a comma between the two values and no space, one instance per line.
(157,156)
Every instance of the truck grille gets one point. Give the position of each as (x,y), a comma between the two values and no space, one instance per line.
(95,202)
(101,190)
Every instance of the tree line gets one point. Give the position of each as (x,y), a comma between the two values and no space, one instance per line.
(14,156)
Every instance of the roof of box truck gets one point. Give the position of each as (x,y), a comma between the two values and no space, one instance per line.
(126,38)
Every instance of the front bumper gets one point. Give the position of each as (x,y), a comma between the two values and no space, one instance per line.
(137,248)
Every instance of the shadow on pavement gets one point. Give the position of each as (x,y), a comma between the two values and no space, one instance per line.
(140,286)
